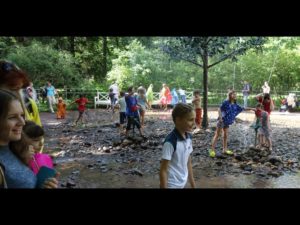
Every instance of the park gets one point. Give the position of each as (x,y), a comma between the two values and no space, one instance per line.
(92,148)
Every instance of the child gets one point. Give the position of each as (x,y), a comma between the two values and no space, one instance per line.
(197,105)
(227,114)
(176,163)
(142,103)
(122,103)
(61,109)
(30,151)
(132,112)
(81,101)
(264,129)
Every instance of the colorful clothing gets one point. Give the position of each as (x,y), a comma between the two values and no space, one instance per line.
(81,103)
(61,110)
(229,112)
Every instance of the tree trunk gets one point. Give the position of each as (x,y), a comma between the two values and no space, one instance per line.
(104,68)
(205,83)
(72,45)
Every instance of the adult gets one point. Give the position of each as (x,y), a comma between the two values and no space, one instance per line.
(266,88)
(51,96)
(246,92)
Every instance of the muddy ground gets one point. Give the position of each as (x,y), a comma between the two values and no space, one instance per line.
(94,155)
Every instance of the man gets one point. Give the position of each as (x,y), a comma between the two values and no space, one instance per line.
(246,92)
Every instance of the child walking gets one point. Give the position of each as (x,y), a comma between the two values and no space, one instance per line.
(176,163)
(61,109)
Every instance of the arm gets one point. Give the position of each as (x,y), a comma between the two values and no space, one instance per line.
(272,105)
(191,175)
(163,174)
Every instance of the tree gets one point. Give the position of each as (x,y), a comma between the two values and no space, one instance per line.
(206,52)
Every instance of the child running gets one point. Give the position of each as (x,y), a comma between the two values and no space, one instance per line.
(81,102)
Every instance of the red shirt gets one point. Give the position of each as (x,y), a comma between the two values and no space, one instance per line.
(81,103)
(266,104)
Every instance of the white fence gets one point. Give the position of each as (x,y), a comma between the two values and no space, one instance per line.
(102,98)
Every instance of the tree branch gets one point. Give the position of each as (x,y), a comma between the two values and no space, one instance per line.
(227,56)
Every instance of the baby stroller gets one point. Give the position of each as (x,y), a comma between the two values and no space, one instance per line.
(283,105)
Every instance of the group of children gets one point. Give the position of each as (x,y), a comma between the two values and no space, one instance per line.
(176,166)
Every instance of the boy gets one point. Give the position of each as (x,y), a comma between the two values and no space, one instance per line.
(176,163)
(81,101)
(132,113)
(197,105)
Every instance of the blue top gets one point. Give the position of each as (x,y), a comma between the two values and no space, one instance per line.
(230,111)
(50,90)
(131,104)
(17,174)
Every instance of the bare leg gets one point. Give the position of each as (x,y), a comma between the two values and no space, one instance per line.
(225,135)
(215,139)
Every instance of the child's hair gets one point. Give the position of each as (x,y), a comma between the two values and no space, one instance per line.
(32,130)
(196,92)
(230,93)
(180,110)
(122,93)
(111,90)
(267,96)
(130,89)
(81,96)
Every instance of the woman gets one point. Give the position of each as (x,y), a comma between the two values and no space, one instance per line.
(149,95)
(16,173)
(14,79)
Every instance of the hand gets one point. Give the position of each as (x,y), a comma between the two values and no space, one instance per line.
(52,183)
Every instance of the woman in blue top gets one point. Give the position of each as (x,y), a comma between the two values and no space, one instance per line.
(227,114)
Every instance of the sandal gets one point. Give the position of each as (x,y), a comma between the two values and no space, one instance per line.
(212,153)
(228,152)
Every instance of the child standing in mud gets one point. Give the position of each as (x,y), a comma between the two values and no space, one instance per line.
(227,114)
(264,130)
(176,164)
(132,112)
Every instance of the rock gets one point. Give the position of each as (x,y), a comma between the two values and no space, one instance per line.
(238,157)
(220,156)
(275,159)
(87,144)
(219,163)
(75,172)
(246,172)
(248,168)
(274,174)
(137,172)
(256,159)
(71,183)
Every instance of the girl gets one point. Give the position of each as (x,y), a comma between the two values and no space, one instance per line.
(227,114)
(31,155)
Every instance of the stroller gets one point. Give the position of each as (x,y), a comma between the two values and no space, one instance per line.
(283,105)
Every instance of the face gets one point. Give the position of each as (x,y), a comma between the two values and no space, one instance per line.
(15,122)
(185,124)
(233,96)
(37,143)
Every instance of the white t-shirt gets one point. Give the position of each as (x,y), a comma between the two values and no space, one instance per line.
(122,103)
(115,89)
(178,168)
(181,92)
